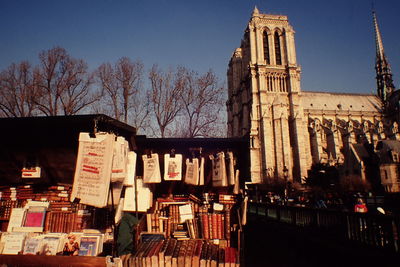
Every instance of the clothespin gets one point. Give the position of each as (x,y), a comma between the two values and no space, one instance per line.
(172,154)
(149,152)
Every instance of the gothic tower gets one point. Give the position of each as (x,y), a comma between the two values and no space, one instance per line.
(383,72)
(264,101)
(389,96)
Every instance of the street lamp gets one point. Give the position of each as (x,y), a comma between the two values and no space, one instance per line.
(285,175)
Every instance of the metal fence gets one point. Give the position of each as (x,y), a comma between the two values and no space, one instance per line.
(376,230)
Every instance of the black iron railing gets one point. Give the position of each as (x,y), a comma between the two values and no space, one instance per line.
(377,230)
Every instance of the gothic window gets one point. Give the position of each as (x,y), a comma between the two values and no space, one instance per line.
(395,156)
(266,48)
(278,57)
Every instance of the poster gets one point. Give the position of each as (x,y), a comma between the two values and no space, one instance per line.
(93,169)
(151,169)
(173,167)
(120,159)
(219,170)
(192,171)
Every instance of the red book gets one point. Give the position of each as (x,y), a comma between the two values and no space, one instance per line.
(214,226)
(205,226)
(35,216)
(219,225)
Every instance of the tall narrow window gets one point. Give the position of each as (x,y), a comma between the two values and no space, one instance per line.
(278,58)
(266,48)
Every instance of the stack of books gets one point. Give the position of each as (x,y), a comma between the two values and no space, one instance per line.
(188,253)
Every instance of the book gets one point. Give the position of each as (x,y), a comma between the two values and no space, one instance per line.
(175,254)
(162,251)
(214,256)
(182,253)
(89,245)
(51,244)
(203,255)
(32,245)
(16,218)
(189,253)
(34,216)
(197,253)
(168,253)
(13,242)
(156,252)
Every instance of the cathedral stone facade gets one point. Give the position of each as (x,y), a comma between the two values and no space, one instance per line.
(290,129)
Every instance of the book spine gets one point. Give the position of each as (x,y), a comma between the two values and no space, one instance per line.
(214,226)
(206,231)
(227,225)
(219,225)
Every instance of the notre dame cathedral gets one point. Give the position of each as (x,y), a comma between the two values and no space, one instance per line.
(290,129)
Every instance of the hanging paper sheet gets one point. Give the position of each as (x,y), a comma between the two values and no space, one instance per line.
(93,169)
(151,169)
(173,167)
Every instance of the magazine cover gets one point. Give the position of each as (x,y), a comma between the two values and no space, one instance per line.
(32,246)
(89,245)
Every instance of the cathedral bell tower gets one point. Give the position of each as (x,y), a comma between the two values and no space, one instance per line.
(264,101)
(389,96)
(383,72)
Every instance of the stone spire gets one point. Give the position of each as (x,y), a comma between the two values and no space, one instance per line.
(383,72)
(256,12)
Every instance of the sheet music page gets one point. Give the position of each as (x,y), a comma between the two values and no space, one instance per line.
(93,169)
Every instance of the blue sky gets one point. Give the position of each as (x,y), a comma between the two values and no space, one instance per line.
(334,39)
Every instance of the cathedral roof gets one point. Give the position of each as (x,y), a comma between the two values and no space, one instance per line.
(340,102)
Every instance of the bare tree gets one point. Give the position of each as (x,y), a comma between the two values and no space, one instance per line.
(122,86)
(17,91)
(64,83)
(166,88)
(202,101)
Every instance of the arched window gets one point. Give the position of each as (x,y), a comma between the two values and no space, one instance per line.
(278,57)
(266,48)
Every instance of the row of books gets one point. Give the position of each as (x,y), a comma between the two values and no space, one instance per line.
(37,216)
(6,206)
(197,218)
(185,253)
(38,192)
(60,214)
(67,221)
(88,243)
(214,225)
(16,197)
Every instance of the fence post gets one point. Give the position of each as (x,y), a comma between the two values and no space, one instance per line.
(395,235)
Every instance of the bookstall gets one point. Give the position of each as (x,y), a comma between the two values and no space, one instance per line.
(87,186)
